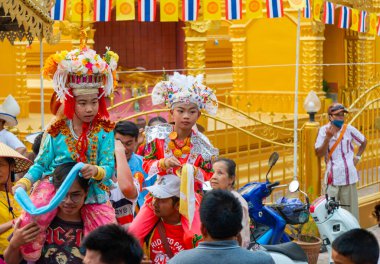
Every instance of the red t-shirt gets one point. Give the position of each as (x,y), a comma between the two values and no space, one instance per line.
(174,234)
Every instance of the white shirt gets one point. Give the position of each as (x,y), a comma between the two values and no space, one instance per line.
(124,207)
(341,163)
(9,139)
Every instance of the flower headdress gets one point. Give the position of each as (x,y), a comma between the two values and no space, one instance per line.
(81,69)
(185,89)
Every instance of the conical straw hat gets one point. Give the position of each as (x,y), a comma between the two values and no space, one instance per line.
(22,163)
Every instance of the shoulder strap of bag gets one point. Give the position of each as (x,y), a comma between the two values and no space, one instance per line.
(164,239)
(337,142)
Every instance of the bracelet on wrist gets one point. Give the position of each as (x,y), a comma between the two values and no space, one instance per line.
(100,175)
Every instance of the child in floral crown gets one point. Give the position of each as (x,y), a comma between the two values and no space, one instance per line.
(81,79)
(180,150)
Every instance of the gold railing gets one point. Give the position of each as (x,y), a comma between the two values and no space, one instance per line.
(365,116)
(246,139)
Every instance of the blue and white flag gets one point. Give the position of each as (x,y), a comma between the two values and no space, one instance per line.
(58,10)
(190,10)
(102,10)
(345,17)
(275,8)
(329,13)
(233,9)
(307,9)
(147,10)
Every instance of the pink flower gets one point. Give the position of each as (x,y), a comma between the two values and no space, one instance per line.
(89,65)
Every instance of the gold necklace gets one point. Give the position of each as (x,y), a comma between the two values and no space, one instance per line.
(178,151)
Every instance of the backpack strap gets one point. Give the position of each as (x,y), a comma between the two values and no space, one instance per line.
(337,142)
(164,239)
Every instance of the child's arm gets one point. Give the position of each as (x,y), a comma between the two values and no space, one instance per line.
(154,159)
(41,163)
(106,152)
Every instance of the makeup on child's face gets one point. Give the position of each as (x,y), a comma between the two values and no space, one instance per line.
(185,115)
(86,107)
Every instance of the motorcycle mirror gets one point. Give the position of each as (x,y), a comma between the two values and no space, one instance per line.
(294,186)
(271,162)
(273,159)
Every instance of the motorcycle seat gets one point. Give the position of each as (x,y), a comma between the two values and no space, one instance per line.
(290,249)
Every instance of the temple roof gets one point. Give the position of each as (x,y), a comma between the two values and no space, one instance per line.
(26,18)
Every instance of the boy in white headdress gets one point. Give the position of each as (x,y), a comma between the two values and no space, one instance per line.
(8,113)
(178,149)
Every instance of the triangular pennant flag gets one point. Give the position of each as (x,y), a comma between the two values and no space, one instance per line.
(125,10)
(169,10)
(254,9)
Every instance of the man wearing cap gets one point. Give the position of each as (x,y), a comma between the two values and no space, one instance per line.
(166,238)
(8,112)
(335,143)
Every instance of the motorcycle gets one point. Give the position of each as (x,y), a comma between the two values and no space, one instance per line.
(332,220)
(269,221)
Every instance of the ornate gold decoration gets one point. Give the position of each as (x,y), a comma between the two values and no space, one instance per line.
(196,37)
(32,15)
(238,40)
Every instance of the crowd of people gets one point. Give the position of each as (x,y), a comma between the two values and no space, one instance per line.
(139,196)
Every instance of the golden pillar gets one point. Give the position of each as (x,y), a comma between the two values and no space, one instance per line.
(21,95)
(238,40)
(195,40)
(360,49)
(311,77)
(312,174)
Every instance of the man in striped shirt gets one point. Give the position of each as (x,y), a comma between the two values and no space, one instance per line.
(335,142)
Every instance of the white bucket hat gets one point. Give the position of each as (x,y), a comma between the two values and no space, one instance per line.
(165,187)
(9,110)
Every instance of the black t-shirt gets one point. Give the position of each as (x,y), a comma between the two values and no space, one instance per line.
(62,243)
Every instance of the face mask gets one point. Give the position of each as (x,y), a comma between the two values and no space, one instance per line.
(338,123)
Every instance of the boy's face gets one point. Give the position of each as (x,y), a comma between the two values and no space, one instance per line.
(185,115)
(86,107)
(4,171)
(74,200)
(340,259)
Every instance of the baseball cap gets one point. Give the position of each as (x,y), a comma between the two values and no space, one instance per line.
(336,108)
(166,186)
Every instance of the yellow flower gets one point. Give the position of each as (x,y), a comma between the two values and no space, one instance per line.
(113,55)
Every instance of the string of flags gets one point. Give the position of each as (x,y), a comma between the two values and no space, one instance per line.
(319,10)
